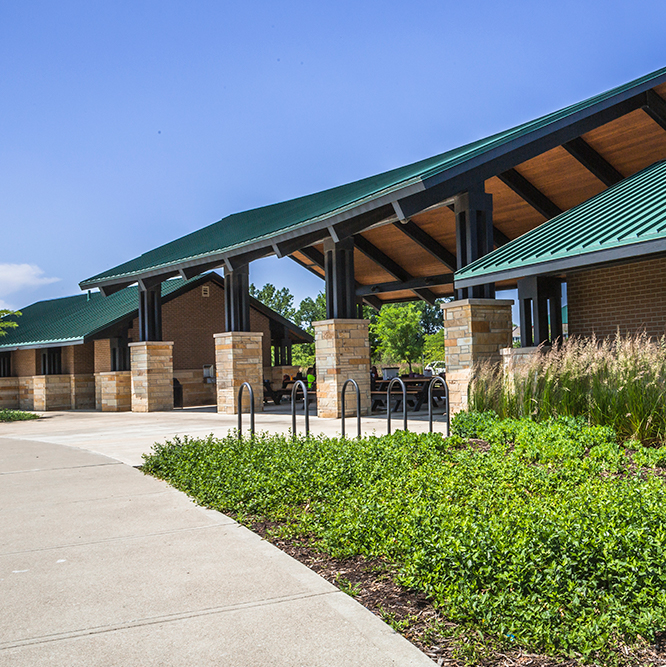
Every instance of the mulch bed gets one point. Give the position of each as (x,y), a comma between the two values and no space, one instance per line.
(409,612)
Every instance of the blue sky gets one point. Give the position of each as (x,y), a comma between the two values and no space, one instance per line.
(125,125)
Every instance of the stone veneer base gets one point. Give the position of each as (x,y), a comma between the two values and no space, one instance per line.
(475,330)
(238,359)
(151,376)
(342,352)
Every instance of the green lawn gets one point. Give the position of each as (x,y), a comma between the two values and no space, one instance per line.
(549,536)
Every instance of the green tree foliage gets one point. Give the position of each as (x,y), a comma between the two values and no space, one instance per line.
(310,310)
(5,322)
(400,333)
(279,300)
(434,347)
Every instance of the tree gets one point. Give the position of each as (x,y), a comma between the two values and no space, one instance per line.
(6,323)
(279,300)
(434,348)
(310,310)
(400,332)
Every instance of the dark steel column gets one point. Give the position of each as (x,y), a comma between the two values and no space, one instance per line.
(340,282)
(540,300)
(474,236)
(150,312)
(237,299)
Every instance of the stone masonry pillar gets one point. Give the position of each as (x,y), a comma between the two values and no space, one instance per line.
(151,376)
(238,359)
(475,330)
(342,351)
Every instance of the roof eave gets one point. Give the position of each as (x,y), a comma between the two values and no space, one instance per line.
(587,260)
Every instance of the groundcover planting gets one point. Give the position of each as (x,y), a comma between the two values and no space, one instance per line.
(548,536)
(16,415)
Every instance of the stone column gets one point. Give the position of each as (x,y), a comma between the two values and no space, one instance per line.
(9,393)
(52,392)
(152,376)
(342,351)
(238,359)
(114,391)
(475,330)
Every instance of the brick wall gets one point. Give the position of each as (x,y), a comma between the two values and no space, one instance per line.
(102,353)
(26,362)
(191,320)
(630,297)
(78,359)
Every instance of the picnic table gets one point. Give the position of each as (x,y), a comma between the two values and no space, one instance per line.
(276,395)
(416,390)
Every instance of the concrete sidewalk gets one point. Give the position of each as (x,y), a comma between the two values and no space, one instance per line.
(101,565)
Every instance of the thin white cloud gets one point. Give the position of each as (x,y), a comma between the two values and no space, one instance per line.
(17,277)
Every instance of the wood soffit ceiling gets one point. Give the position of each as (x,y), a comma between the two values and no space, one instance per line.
(629,143)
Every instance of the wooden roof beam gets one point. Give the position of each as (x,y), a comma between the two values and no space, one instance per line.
(593,162)
(398,286)
(428,243)
(655,107)
(532,195)
(390,266)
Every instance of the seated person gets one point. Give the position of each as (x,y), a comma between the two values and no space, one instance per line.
(374,376)
(311,377)
(285,381)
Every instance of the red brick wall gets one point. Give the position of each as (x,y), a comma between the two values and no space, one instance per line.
(26,362)
(631,297)
(190,320)
(78,359)
(102,355)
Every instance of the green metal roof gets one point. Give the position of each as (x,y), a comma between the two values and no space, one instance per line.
(243,231)
(74,319)
(627,220)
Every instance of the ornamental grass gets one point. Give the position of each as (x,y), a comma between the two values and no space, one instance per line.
(618,382)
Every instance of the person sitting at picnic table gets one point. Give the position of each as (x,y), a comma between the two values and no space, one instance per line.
(311,377)
(285,381)
(299,376)
(374,376)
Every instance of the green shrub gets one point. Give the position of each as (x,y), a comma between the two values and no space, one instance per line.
(16,415)
(472,424)
(618,382)
(551,535)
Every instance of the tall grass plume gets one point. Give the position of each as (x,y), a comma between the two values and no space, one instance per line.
(618,382)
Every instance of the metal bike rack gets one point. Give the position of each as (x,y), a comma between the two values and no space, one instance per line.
(306,407)
(388,404)
(433,382)
(240,408)
(358,407)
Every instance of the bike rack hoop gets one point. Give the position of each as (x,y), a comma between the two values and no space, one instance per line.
(240,408)
(433,382)
(306,407)
(358,407)
(388,404)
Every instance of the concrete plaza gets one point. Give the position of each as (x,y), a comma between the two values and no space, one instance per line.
(101,565)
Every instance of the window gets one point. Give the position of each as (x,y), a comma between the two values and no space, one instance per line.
(205,290)
(52,361)
(120,355)
(5,364)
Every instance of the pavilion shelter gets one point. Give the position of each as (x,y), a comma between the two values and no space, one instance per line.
(402,234)
(611,253)
(80,352)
